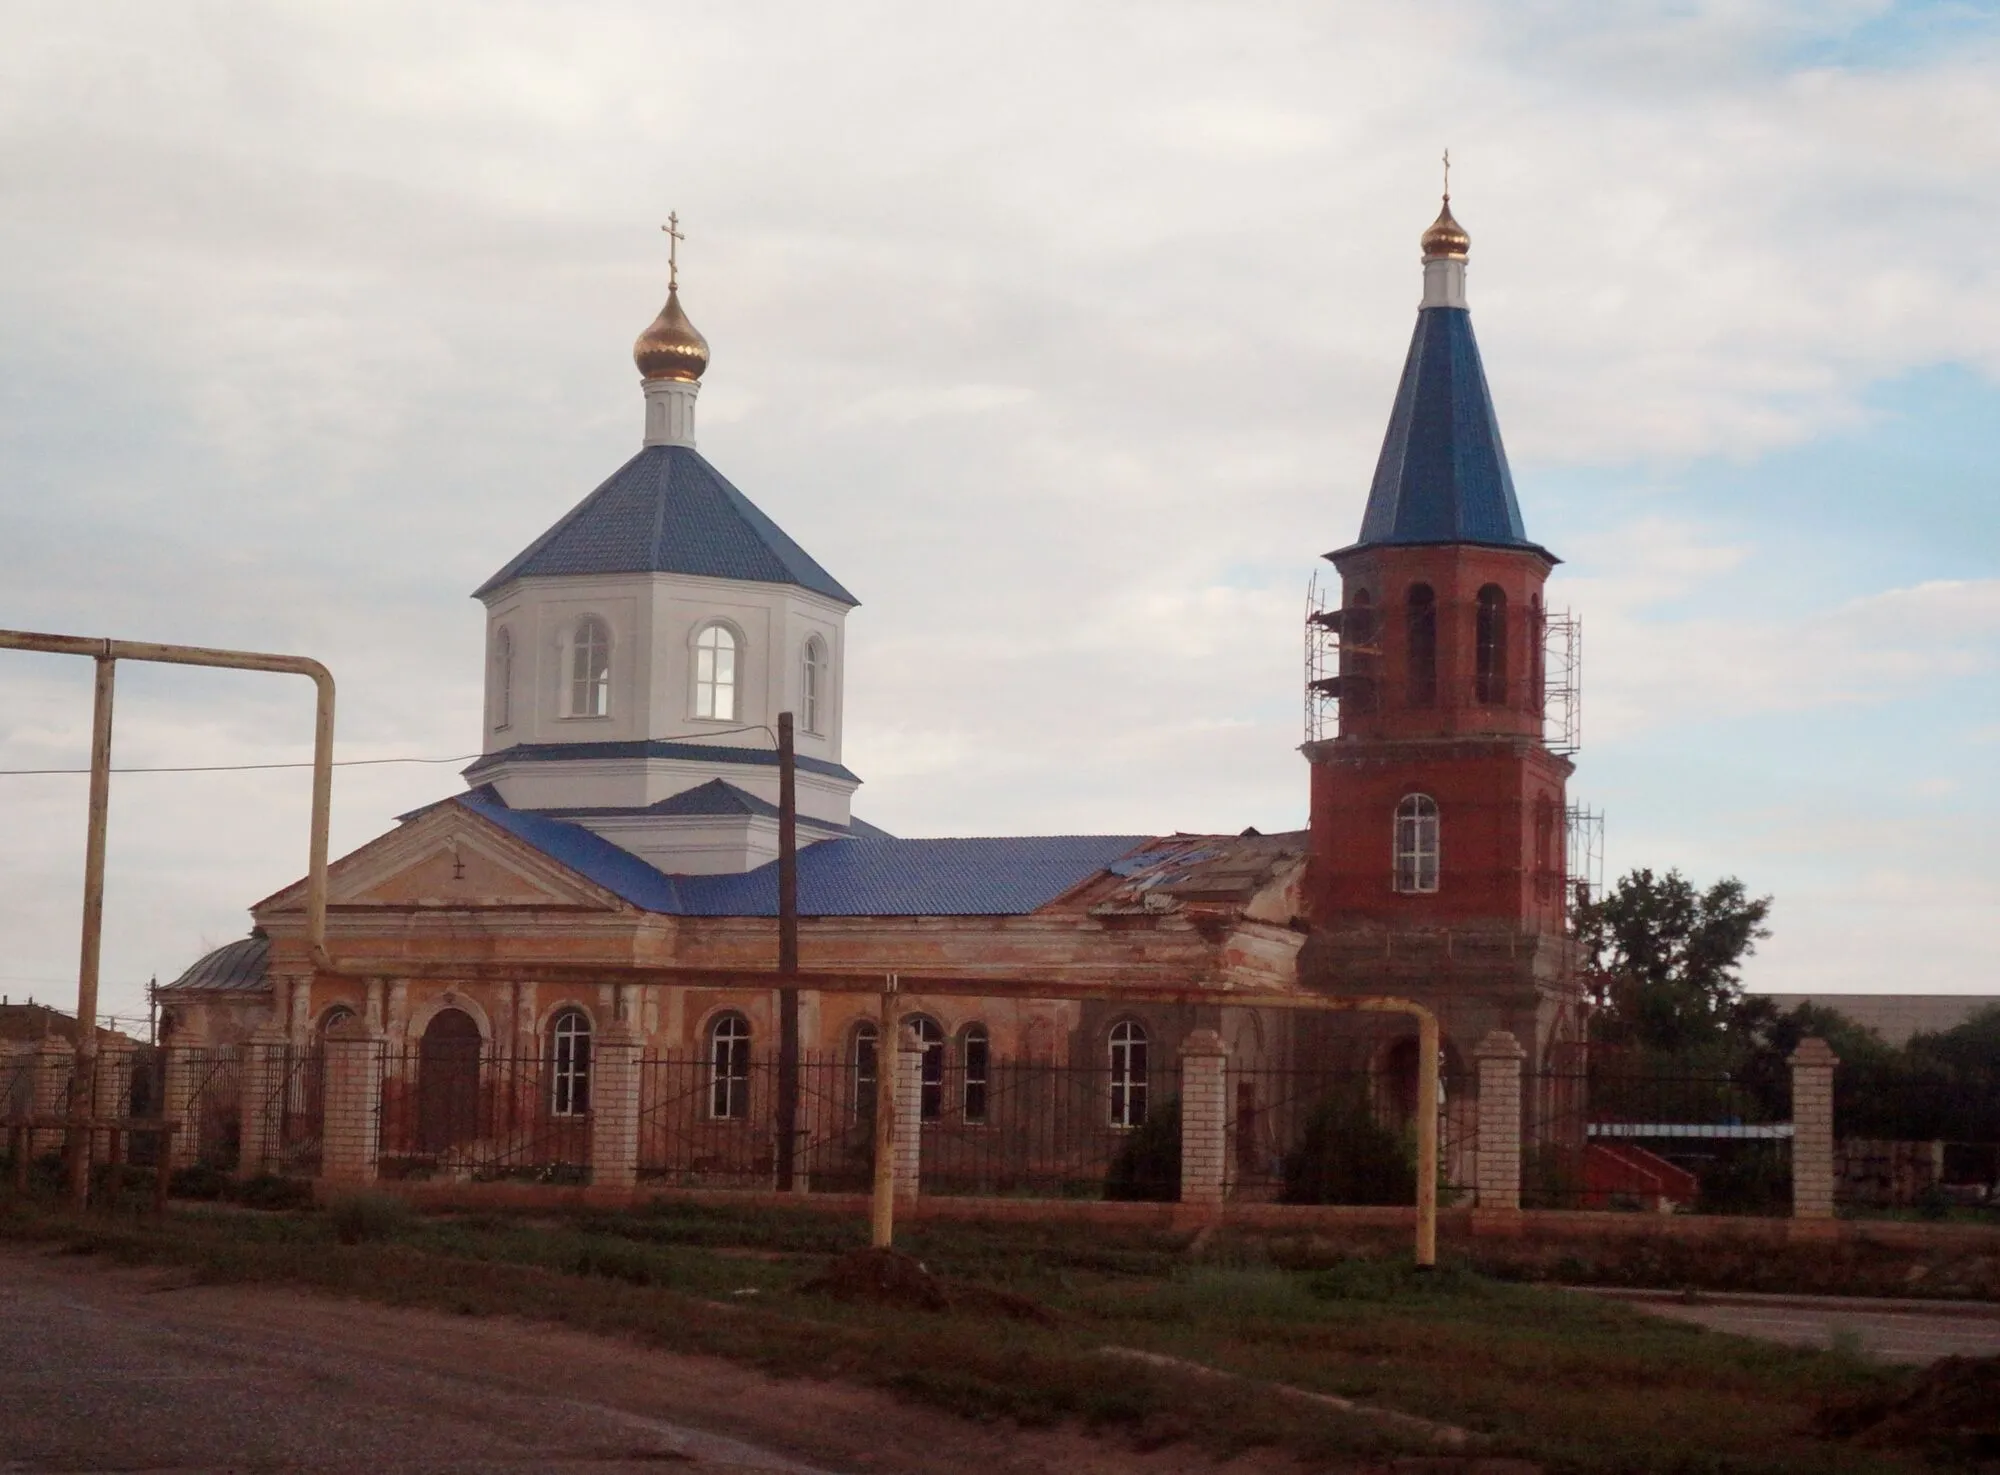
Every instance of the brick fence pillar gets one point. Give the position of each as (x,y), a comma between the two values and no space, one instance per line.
(177,1104)
(55,1059)
(16,1078)
(1812,1129)
(909,1123)
(614,1109)
(260,1087)
(351,1134)
(114,1089)
(1499,1174)
(1204,1119)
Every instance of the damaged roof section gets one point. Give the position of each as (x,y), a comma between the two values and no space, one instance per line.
(1248,875)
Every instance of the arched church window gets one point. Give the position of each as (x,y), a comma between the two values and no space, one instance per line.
(590,669)
(862,1051)
(569,1062)
(1490,645)
(1538,678)
(1417,844)
(1358,651)
(729,1067)
(1128,1073)
(975,1050)
(931,1096)
(715,673)
(503,677)
(1420,641)
(812,685)
(338,1014)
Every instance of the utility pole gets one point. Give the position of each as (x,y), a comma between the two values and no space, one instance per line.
(788,955)
(83,1074)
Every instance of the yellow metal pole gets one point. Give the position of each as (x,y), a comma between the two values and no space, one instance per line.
(83,1070)
(887,1057)
(235,660)
(1427,1140)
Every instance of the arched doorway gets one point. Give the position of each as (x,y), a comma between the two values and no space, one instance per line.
(448,1081)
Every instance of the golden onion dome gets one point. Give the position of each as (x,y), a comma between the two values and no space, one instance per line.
(1446,237)
(671,348)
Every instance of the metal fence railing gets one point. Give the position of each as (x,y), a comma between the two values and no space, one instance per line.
(1344,1136)
(1631,1136)
(211,1079)
(1919,1180)
(706,1122)
(1044,1130)
(460,1112)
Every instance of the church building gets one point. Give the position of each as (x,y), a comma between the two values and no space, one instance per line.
(624,810)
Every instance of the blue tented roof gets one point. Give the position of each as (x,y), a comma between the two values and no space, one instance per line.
(668,511)
(1442,476)
(860,877)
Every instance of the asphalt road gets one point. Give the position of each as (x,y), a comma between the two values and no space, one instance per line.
(1913,1332)
(141,1370)
(128,1383)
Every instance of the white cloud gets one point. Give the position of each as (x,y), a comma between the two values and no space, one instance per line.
(1063,335)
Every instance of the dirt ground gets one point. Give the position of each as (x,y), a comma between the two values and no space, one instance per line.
(141,1370)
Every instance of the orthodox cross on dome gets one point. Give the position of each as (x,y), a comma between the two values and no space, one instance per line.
(674,239)
(1447,174)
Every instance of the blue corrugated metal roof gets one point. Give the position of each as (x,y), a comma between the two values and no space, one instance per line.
(1442,476)
(1008,876)
(716,797)
(591,856)
(651,748)
(668,511)
(989,877)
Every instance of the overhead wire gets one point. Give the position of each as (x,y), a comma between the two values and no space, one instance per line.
(307,763)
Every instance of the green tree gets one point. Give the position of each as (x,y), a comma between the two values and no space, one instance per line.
(1665,962)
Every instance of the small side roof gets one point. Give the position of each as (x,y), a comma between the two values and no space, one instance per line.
(235,967)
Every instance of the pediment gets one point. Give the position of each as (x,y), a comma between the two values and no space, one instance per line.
(449,858)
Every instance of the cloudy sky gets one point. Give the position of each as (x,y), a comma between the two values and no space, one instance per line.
(1064,336)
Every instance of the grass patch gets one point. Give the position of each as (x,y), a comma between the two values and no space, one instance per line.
(1576,1383)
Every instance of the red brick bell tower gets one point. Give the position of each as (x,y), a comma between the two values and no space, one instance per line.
(1438,807)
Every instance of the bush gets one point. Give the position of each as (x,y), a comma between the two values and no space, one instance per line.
(1148,1166)
(1345,1156)
(360,1217)
(269,1191)
(200,1181)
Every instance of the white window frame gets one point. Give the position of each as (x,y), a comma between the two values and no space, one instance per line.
(569,1063)
(587,682)
(503,679)
(930,1070)
(710,687)
(865,1050)
(729,1068)
(813,668)
(1414,869)
(974,1097)
(1129,1049)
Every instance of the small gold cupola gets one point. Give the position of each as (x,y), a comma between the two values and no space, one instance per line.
(1446,239)
(671,347)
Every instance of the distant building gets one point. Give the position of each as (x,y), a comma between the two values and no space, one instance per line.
(1897,1018)
(32,1021)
